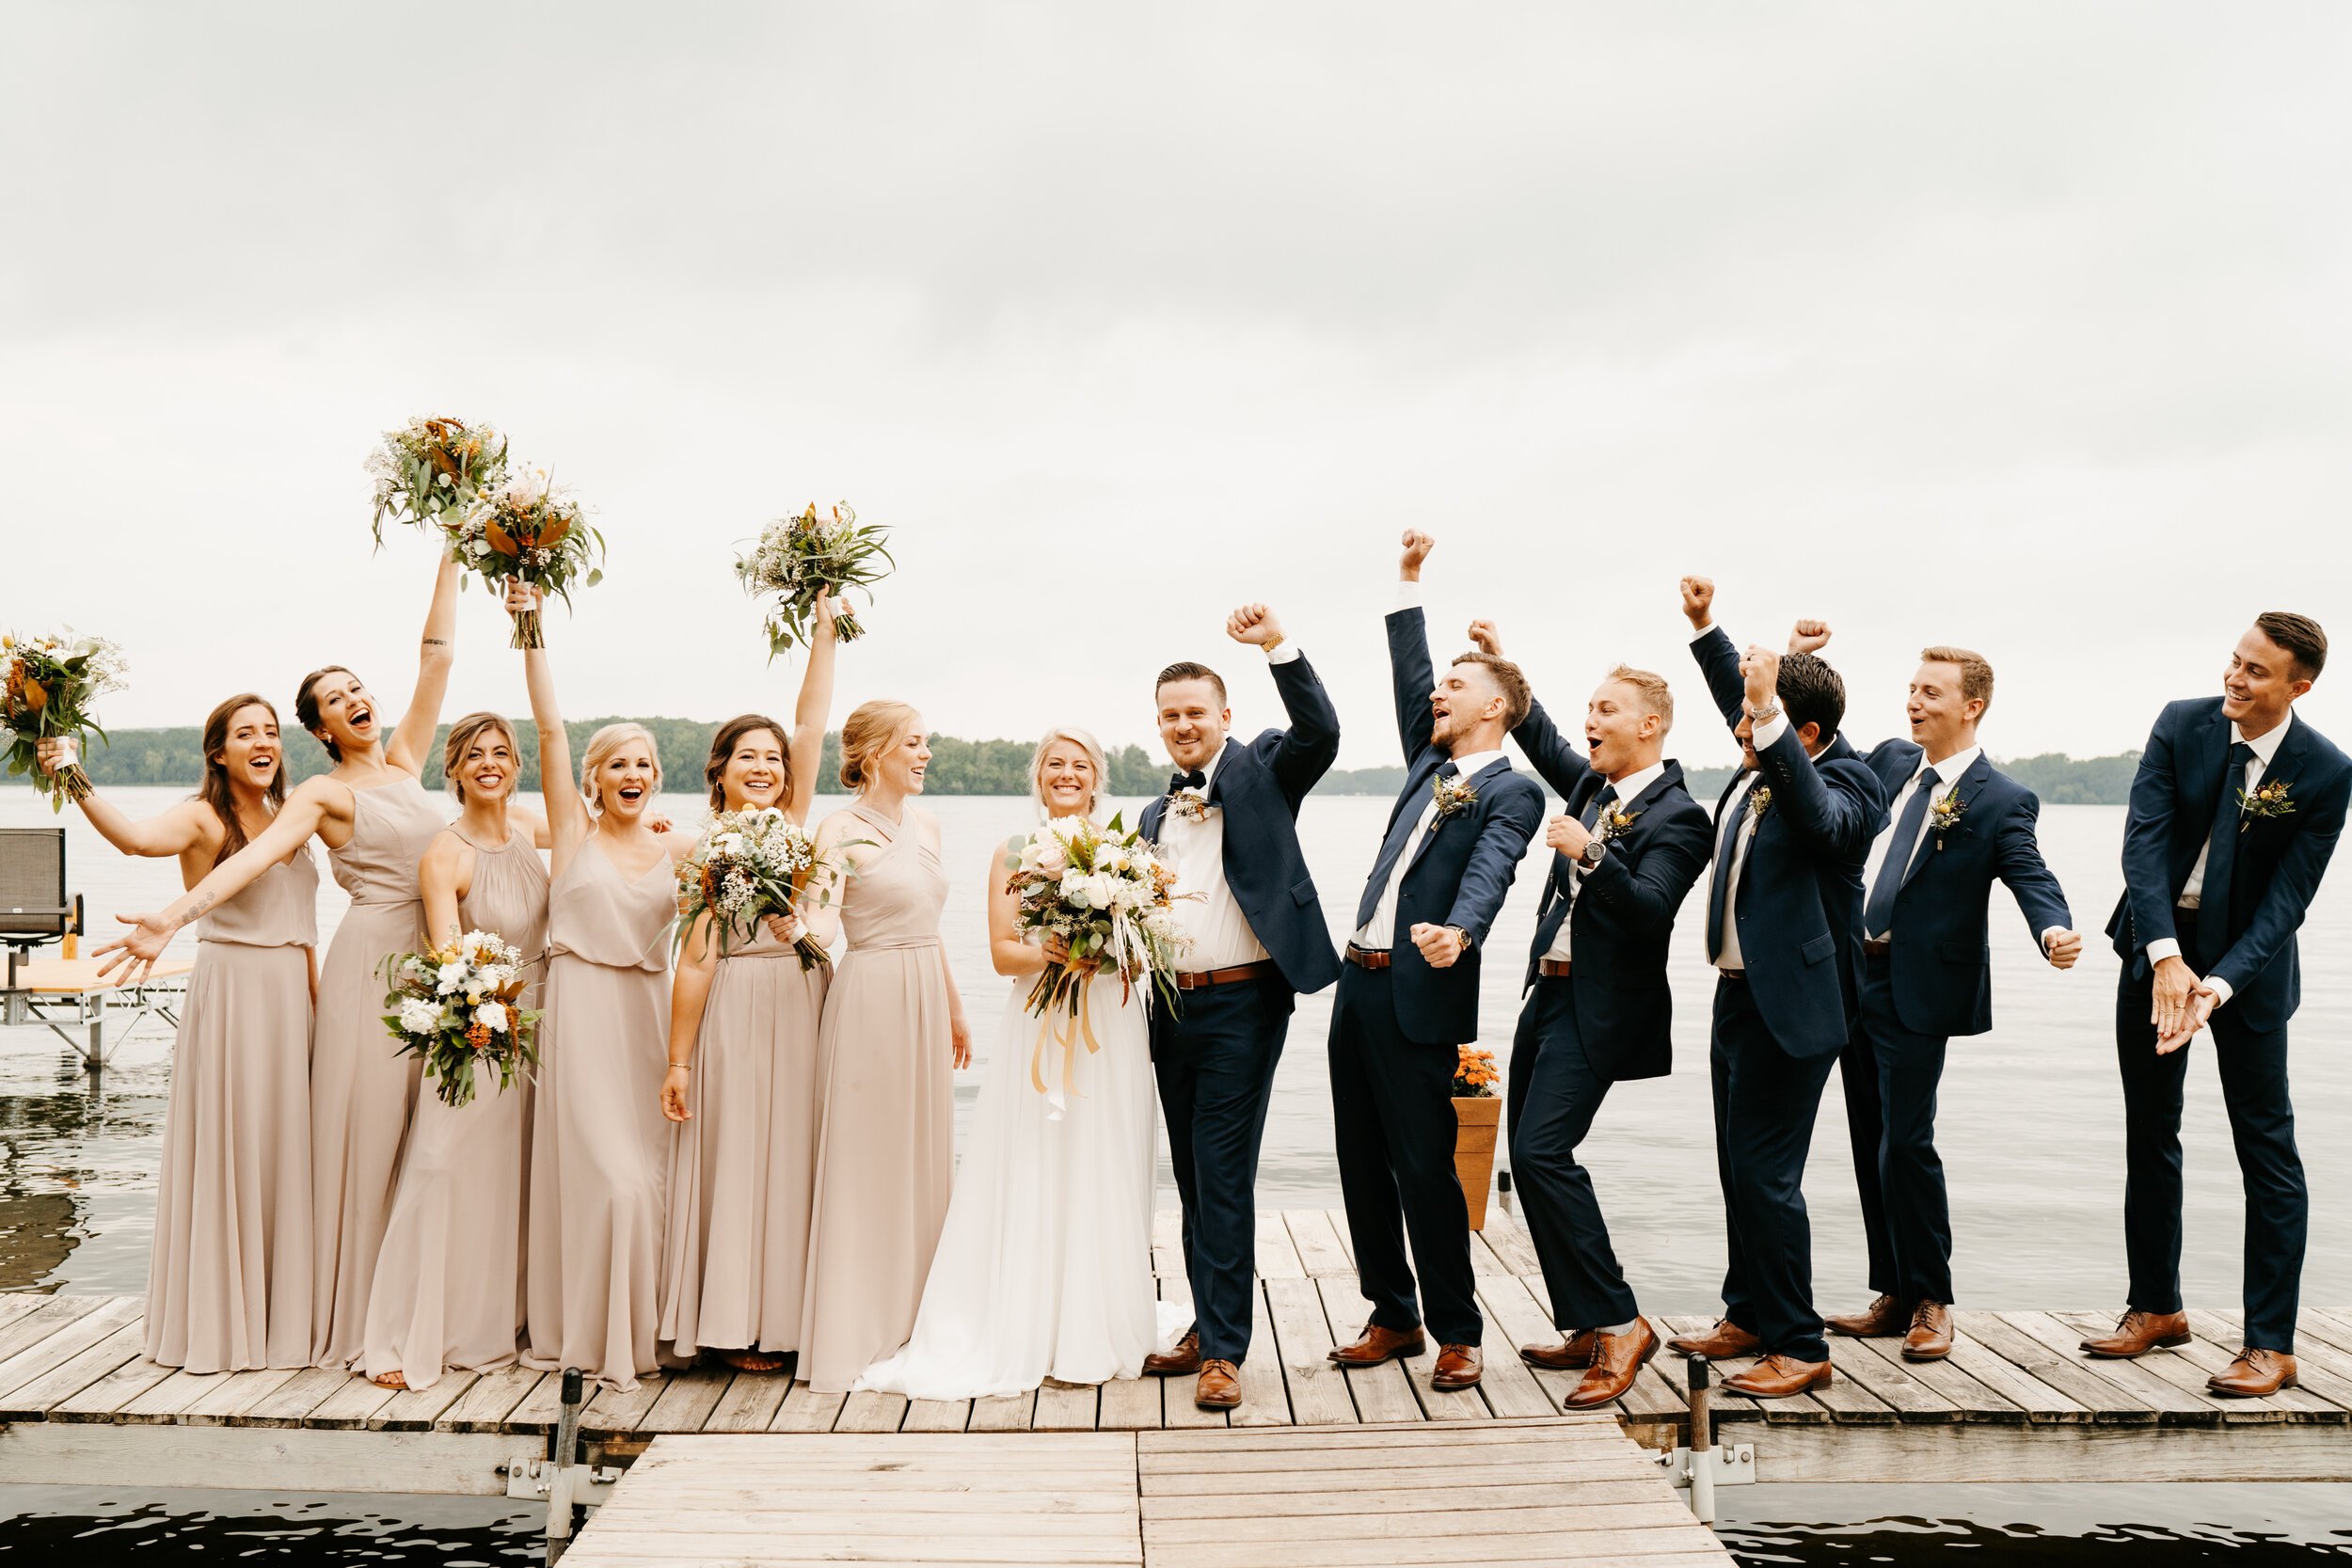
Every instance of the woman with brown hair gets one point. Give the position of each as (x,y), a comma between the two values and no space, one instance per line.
(742,1072)
(449,1286)
(372,812)
(894,1025)
(229,1275)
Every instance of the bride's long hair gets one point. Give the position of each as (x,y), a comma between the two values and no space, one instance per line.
(1086,742)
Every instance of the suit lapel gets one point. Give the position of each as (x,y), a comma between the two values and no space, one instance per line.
(1971,783)
(1430,838)
(1224,771)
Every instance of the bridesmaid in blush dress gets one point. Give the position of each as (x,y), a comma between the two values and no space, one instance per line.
(743,1074)
(448,1288)
(229,1276)
(894,1025)
(375,819)
(600,1147)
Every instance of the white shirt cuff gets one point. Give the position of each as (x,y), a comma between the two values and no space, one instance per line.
(1283,654)
(2161,949)
(2220,989)
(1771,729)
(1703,631)
(1408,594)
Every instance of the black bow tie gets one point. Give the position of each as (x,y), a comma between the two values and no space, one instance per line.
(1193,779)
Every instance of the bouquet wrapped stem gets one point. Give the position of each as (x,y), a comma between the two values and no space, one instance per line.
(48,687)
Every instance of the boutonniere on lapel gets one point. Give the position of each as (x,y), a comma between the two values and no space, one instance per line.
(1190,804)
(1945,815)
(1454,796)
(2271,799)
(1614,824)
(1759,801)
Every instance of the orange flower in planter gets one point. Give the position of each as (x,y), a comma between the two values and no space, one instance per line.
(1474,1074)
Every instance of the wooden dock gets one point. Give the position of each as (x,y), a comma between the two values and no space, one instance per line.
(2017,1401)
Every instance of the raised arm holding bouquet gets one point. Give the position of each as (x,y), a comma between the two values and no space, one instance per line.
(431,469)
(47,685)
(524,530)
(803,560)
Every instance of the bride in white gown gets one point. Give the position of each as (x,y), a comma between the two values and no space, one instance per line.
(1044,1267)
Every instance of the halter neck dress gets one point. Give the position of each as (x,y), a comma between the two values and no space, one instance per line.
(229,1273)
(885,1141)
(448,1288)
(362,1089)
(599,1144)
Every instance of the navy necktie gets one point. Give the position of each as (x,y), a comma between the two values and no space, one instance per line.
(1878,916)
(1393,850)
(1719,888)
(1562,865)
(2221,848)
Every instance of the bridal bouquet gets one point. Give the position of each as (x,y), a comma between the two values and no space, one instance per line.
(47,685)
(523,529)
(800,557)
(750,865)
(431,468)
(457,1007)
(1108,893)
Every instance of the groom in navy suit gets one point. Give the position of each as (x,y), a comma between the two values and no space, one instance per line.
(1229,826)
(1409,994)
(1956,825)
(2235,809)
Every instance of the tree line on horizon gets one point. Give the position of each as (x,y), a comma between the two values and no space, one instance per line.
(172,757)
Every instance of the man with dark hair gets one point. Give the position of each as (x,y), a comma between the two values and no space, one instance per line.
(1783,929)
(2234,812)
(1229,826)
(1956,825)
(1409,996)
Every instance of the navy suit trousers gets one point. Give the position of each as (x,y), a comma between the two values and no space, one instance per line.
(1891,1077)
(1394,1122)
(2253,1069)
(1215,1060)
(1765,1104)
(1554,1095)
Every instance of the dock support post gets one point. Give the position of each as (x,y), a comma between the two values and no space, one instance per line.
(1702,1445)
(566,1459)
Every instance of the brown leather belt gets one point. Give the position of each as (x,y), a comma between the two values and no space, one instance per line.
(1741,974)
(1367,958)
(1201,979)
(1877,948)
(1553,969)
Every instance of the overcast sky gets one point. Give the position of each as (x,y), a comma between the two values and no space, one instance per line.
(2023,326)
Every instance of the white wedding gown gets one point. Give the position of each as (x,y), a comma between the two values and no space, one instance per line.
(1044,1266)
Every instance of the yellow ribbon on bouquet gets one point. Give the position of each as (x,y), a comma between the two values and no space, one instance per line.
(1075,1026)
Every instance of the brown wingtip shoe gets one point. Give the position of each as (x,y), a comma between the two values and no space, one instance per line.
(2255,1374)
(1931,1336)
(1617,1360)
(2137,1333)
(1572,1354)
(1219,1387)
(1458,1367)
(1181,1359)
(1727,1338)
(1778,1377)
(1882,1318)
(1377,1344)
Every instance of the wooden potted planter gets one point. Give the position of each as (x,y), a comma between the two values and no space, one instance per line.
(1478,1116)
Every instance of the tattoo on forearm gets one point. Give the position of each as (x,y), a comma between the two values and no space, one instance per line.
(196,910)
(436,641)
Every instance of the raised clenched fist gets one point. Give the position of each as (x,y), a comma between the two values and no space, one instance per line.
(1698,601)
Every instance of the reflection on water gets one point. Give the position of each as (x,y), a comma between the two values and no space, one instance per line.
(2147,1526)
(96,1525)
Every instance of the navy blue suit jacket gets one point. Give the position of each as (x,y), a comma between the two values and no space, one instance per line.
(1258,787)
(1800,899)
(1623,922)
(1464,865)
(2279,859)
(1942,956)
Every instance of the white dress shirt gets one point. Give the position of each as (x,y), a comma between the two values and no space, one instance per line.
(1727,955)
(2265,747)
(1629,790)
(1205,908)
(1947,776)
(1379,933)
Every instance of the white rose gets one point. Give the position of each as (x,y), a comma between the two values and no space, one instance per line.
(526,487)
(419,1016)
(491,1016)
(451,978)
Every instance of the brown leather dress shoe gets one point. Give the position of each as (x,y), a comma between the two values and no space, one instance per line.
(1777,1377)
(1458,1367)
(1219,1387)
(1377,1344)
(1617,1360)
(1725,1339)
(2138,1333)
(1881,1318)
(2254,1374)
(1574,1353)
(1182,1359)
(1931,1336)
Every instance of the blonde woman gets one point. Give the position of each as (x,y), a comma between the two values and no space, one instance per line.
(742,1073)
(894,1027)
(599,1144)
(448,1288)
(1044,1266)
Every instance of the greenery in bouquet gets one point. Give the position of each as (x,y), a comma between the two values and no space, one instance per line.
(748,865)
(1106,893)
(458,1007)
(800,557)
(525,529)
(48,685)
(431,468)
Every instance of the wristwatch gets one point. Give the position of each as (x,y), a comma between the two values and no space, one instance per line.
(1594,849)
(1464,935)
